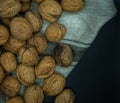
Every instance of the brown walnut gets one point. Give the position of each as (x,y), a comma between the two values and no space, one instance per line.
(9,8)
(14,45)
(10,86)
(34,94)
(29,55)
(2,74)
(39,41)
(25,74)
(50,10)
(54,84)
(20,28)
(67,96)
(55,32)
(6,21)
(16,99)
(8,61)
(25,6)
(72,5)
(63,55)
(4,34)
(34,19)
(45,67)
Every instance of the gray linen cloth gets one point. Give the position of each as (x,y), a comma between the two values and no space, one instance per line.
(82,28)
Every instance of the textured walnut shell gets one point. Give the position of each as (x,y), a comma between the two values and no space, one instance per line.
(16,99)
(45,67)
(39,41)
(29,55)
(25,74)
(8,62)
(2,74)
(14,45)
(25,6)
(4,34)
(34,94)
(72,5)
(67,96)
(54,84)
(50,10)
(9,8)
(37,1)
(63,55)
(6,21)
(34,20)
(10,86)
(55,32)
(20,28)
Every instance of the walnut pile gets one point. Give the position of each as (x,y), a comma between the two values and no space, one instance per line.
(24,46)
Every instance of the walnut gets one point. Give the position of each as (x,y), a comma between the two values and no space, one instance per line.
(34,19)
(45,67)
(20,28)
(4,34)
(63,55)
(54,84)
(17,99)
(6,21)
(37,1)
(39,41)
(10,86)
(29,55)
(34,94)
(9,8)
(13,45)
(50,10)
(8,62)
(72,5)
(2,74)
(55,32)
(25,74)
(67,96)
(25,6)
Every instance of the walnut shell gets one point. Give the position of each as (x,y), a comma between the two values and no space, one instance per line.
(37,1)
(10,86)
(29,55)
(63,55)
(14,45)
(8,62)
(9,8)
(54,84)
(17,99)
(72,5)
(25,74)
(50,10)
(34,94)
(67,96)
(34,20)
(39,41)
(25,6)
(20,28)
(55,32)
(6,21)
(2,74)
(4,34)
(45,67)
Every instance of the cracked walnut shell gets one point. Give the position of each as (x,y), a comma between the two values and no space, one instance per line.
(4,34)
(17,99)
(50,10)
(20,28)
(8,61)
(2,74)
(34,94)
(25,74)
(29,55)
(9,8)
(55,32)
(72,5)
(54,85)
(34,19)
(67,96)
(10,86)
(45,67)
